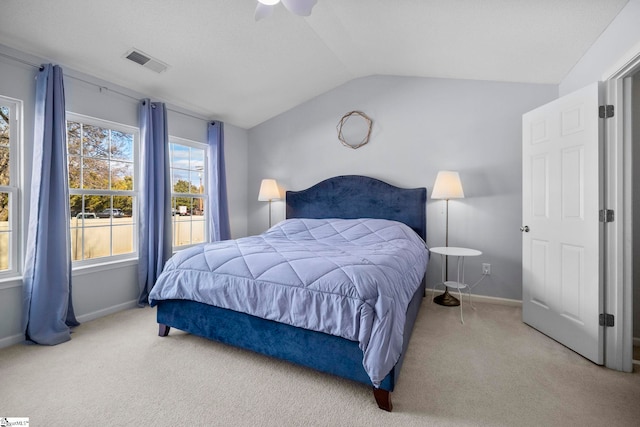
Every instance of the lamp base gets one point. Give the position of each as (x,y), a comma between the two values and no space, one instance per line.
(447,299)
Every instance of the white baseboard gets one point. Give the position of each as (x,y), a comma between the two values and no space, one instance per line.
(106,311)
(496,300)
(482,298)
(9,341)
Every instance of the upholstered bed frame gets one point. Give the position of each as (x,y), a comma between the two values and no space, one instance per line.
(349,196)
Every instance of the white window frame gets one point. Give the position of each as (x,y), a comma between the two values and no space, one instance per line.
(75,117)
(204,196)
(15,185)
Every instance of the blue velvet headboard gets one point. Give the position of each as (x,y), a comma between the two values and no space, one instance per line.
(355,196)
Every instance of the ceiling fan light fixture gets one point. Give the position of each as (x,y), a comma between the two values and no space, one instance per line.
(264,9)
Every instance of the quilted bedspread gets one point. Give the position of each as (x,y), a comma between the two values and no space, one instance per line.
(352,278)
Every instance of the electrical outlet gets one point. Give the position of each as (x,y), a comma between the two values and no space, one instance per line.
(486,269)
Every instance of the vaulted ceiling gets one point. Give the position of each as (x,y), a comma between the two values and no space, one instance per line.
(224,65)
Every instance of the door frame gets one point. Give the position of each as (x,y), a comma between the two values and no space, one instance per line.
(618,292)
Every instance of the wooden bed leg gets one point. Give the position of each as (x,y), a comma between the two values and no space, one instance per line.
(383,399)
(163,330)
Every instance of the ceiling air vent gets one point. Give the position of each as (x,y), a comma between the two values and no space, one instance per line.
(146,61)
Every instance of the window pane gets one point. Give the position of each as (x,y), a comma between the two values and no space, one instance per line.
(5,230)
(180,181)
(181,230)
(184,205)
(76,243)
(88,205)
(95,174)
(74,171)
(196,182)
(4,145)
(97,204)
(4,165)
(197,206)
(4,250)
(121,145)
(75,206)
(95,141)
(5,115)
(121,176)
(124,206)
(123,239)
(73,138)
(197,159)
(179,156)
(97,241)
(197,230)
(4,208)
(174,206)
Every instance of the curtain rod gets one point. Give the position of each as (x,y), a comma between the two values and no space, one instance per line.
(38,66)
(22,61)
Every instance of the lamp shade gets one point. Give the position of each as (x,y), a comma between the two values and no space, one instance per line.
(268,190)
(447,186)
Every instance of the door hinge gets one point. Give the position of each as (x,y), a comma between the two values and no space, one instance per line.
(606,319)
(605,111)
(606,215)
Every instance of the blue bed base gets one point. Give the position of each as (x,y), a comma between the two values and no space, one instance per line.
(317,350)
(348,196)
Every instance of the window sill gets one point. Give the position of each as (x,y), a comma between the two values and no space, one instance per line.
(10,282)
(104,266)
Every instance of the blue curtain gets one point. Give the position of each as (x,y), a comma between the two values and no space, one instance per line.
(154,243)
(47,305)
(217,185)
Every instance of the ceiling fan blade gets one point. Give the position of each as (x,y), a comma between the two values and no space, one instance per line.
(299,7)
(263,11)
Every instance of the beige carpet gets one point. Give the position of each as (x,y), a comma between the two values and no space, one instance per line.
(491,371)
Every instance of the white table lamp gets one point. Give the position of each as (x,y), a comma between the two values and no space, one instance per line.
(269,191)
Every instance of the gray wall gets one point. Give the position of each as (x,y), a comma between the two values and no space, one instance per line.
(420,126)
(107,288)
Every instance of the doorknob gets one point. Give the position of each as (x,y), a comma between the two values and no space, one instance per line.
(524,228)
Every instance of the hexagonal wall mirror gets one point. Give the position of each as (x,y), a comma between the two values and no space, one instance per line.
(354,129)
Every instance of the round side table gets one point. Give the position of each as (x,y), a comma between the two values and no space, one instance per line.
(446,298)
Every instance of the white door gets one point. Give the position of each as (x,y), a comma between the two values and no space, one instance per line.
(562,269)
